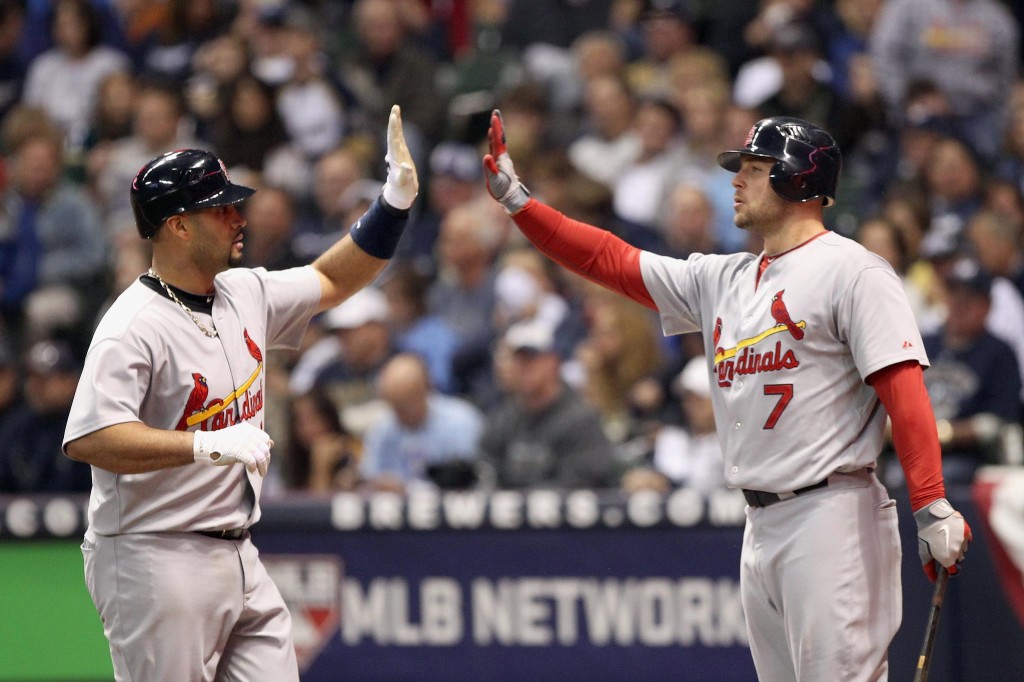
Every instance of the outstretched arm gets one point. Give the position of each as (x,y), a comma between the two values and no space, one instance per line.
(359,256)
(589,251)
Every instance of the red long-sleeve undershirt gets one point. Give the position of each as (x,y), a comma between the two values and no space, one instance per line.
(589,251)
(901,390)
(602,257)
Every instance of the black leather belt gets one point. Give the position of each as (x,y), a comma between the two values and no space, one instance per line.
(759,498)
(229,534)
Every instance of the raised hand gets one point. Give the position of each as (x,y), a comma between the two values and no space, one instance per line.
(502,182)
(402,185)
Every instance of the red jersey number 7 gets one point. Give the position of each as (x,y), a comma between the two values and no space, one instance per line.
(785,393)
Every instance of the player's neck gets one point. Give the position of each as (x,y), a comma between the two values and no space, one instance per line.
(791,234)
(185,276)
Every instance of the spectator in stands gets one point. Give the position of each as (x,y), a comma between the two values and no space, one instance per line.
(881,236)
(389,68)
(31,459)
(994,240)
(707,120)
(463,294)
(53,252)
(166,53)
(416,330)
(689,225)
(668,30)
(620,351)
(998,243)
(973,382)
(115,106)
(969,48)
(640,191)
(157,127)
(250,129)
(804,94)
(953,183)
(361,326)
(12,65)
(320,219)
(270,218)
(454,180)
(10,377)
(687,455)
(64,80)
(557,23)
(315,109)
(216,64)
(608,144)
(423,436)
(322,456)
(543,434)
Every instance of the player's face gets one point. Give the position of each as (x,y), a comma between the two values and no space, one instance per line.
(756,206)
(218,239)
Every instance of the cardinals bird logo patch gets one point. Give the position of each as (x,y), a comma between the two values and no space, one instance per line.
(781,315)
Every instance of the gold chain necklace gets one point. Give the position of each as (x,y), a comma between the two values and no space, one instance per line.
(188,311)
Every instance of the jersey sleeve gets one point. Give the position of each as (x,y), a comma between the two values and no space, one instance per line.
(292,297)
(111,389)
(674,286)
(874,318)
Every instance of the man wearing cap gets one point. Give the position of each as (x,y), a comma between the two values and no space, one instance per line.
(974,382)
(543,434)
(361,328)
(170,414)
(30,434)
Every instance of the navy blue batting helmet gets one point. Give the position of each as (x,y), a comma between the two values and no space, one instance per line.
(178,182)
(807,159)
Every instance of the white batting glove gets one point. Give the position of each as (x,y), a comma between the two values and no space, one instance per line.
(239,444)
(402,185)
(502,181)
(942,537)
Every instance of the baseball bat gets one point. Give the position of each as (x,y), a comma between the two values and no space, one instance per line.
(924,661)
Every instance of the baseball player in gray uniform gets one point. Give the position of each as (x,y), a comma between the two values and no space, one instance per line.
(169,413)
(809,344)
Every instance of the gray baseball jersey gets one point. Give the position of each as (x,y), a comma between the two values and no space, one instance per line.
(148,362)
(788,354)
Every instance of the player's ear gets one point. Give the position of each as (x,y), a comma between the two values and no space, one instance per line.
(178,226)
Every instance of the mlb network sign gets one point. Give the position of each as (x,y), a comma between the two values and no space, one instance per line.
(524,611)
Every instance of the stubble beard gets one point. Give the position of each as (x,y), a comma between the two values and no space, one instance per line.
(757,219)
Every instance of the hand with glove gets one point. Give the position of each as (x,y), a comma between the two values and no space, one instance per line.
(502,182)
(942,537)
(242,443)
(402,184)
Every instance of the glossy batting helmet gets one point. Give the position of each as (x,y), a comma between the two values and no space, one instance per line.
(807,159)
(178,182)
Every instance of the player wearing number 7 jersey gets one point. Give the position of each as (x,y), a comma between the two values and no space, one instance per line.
(809,344)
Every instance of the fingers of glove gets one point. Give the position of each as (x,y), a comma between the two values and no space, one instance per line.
(496,134)
(398,157)
(931,571)
(490,165)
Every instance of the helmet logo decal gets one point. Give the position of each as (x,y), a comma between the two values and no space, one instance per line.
(795,131)
(750,136)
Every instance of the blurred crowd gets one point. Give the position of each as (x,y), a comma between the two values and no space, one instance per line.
(473,361)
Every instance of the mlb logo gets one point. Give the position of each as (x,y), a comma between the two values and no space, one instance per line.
(311,587)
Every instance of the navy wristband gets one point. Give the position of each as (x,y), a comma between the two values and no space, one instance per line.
(377,232)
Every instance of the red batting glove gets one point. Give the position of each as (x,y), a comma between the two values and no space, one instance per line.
(502,182)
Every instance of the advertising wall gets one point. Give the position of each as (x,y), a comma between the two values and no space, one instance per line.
(508,586)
